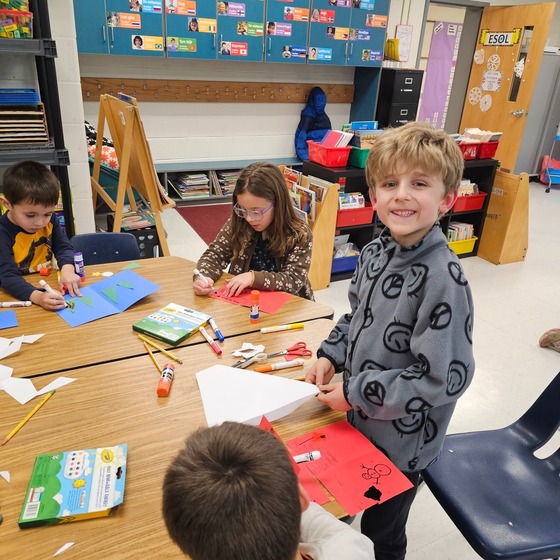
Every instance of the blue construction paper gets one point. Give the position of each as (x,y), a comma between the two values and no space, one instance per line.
(8,319)
(125,289)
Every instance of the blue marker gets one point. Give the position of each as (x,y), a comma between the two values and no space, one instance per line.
(216,329)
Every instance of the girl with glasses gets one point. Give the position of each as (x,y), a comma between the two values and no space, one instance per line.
(265,244)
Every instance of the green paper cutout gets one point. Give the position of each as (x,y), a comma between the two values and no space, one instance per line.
(126,284)
(87,300)
(131,266)
(111,293)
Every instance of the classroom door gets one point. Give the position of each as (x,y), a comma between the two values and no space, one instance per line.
(504,72)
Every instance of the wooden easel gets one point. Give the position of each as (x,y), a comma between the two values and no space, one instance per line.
(136,167)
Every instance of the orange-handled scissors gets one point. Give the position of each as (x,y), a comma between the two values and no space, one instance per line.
(298,349)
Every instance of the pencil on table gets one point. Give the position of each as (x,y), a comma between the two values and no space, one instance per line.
(25,420)
(162,350)
(158,367)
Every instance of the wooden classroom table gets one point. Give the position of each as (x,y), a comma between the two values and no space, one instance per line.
(112,338)
(117,403)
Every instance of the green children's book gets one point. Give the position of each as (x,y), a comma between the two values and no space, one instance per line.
(72,485)
(172,324)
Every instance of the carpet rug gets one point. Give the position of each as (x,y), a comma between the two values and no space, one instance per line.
(207,219)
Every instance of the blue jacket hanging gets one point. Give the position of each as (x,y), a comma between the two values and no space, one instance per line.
(314,122)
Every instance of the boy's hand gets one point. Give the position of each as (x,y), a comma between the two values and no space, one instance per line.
(48,301)
(71,280)
(235,285)
(333,396)
(321,372)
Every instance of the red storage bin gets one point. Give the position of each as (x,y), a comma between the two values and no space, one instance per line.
(469,202)
(470,150)
(329,157)
(487,150)
(355,216)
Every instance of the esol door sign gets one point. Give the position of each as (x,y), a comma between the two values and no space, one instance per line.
(500,38)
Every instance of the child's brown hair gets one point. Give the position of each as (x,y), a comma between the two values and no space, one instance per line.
(415,145)
(233,494)
(32,182)
(265,180)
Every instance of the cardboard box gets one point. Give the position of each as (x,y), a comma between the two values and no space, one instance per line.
(505,236)
(73,485)
(172,324)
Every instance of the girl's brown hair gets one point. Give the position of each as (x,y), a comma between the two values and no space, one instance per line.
(265,180)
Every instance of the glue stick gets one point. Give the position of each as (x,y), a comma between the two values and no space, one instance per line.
(79,266)
(255,297)
(164,383)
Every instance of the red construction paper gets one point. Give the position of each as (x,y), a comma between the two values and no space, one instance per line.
(354,471)
(269,302)
(308,481)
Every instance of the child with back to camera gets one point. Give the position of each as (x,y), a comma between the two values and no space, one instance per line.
(30,235)
(405,348)
(266,245)
(232,494)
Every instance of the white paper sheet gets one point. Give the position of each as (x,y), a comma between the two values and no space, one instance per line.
(23,390)
(245,396)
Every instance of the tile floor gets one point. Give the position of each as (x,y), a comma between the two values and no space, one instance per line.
(514,305)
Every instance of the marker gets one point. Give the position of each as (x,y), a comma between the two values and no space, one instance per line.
(289,327)
(282,365)
(48,289)
(29,415)
(210,341)
(216,329)
(203,278)
(15,304)
(306,457)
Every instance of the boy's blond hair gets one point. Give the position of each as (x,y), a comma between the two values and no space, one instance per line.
(415,145)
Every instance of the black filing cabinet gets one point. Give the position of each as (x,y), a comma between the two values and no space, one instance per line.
(399,93)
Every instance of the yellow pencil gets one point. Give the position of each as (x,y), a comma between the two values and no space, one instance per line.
(158,367)
(24,421)
(162,350)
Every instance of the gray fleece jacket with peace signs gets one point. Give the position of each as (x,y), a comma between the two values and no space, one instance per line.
(405,349)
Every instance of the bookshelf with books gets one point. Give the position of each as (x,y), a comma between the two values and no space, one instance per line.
(221,176)
(359,226)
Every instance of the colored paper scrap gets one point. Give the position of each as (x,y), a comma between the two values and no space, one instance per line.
(269,302)
(353,470)
(8,319)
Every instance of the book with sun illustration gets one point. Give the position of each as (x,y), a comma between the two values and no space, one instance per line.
(111,295)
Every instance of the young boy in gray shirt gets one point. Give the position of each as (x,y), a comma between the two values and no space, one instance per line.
(405,348)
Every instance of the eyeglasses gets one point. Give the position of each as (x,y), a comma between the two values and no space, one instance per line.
(255,215)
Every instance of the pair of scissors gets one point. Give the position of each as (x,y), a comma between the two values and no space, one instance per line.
(260,357)
(298,349)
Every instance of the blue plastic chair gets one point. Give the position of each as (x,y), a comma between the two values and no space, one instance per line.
(503,499)
(106,247)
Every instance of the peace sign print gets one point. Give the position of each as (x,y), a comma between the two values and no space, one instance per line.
(440,317)
(392,286)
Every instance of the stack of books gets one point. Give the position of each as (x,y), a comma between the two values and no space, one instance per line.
(188,185)
(459,231)
(224,181)
(336,139)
